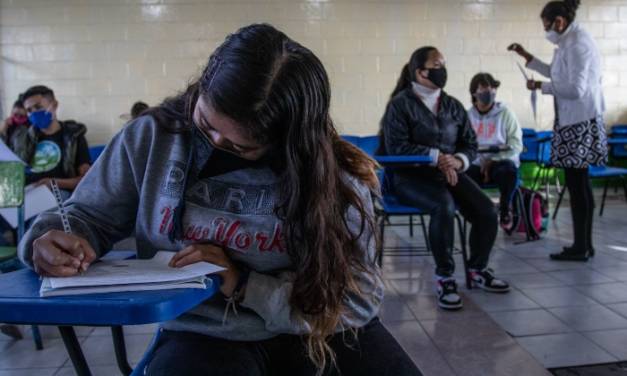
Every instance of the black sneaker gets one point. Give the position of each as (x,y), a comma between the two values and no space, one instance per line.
(447,294)
(485,280)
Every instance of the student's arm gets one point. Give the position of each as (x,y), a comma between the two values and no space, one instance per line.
(269,296)
(396,135)
(103,208)
(514,136)
(466,148)
(540,67)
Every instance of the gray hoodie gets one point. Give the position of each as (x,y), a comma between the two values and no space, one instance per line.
(498,126)
(137,183)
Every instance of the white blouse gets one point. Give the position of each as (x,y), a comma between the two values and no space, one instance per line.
(575,74)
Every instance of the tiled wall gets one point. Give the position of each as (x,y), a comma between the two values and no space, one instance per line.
(102,55)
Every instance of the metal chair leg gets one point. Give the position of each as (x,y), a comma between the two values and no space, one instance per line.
(559,202)
(120,350)
(37,337)
(605,186)
(425,233)
(73,348)
(381,241)
(411,226)
(462,235)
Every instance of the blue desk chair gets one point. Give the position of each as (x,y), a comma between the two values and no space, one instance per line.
(94,152)
(530,145)
(12,181)
(600,172)
(145,360)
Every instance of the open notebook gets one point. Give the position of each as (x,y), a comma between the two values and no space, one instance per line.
(130,275)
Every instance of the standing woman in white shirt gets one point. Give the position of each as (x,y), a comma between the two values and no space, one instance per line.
(579,138)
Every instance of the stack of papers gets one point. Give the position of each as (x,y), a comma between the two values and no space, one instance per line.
(130,275)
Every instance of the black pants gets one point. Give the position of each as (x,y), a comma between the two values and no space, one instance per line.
(502,173)
(582,207)
(426,188)
(375,352)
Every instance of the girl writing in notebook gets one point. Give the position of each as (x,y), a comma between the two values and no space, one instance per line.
(243,169)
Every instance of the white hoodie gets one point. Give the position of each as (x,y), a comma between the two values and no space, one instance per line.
(498,126)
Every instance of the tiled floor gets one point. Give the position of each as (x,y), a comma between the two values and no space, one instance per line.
(558,314)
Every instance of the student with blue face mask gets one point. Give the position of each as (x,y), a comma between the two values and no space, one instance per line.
(53,149)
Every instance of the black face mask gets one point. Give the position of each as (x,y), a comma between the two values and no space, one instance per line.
(438,77)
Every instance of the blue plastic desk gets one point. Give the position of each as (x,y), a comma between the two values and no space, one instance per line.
(403,160)
(20,304)
(617,141)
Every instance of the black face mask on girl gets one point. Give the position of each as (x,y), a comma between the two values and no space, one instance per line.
(438,76)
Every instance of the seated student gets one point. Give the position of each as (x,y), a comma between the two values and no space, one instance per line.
(54,149)
(246,170)
(421,119)
(495,124)
(17,120)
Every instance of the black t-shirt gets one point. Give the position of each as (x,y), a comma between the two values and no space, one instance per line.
(47,161)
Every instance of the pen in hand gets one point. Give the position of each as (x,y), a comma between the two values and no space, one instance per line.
(66,222)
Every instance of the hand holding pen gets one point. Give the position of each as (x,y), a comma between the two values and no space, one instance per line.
(61,254)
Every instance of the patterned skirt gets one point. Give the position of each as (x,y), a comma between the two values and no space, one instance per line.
(579,145)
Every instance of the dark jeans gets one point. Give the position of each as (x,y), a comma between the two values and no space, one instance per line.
(502,173)
(426,188)
(582,207)
(375,352)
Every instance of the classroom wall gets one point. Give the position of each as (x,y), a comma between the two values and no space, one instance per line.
(102,55)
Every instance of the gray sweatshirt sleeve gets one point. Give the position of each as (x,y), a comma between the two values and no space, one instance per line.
(269,296)
(104,205)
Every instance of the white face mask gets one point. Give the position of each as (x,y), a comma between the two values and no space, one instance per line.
(553,36)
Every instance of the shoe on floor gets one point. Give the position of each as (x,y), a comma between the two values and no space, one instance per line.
(485,280)
(506,221)
(567,255)
(447,294)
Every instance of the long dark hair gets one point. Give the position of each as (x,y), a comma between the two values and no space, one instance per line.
(417,60)
(279,91)
(565,8)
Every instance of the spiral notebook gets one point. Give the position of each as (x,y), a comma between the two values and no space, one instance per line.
(119,275)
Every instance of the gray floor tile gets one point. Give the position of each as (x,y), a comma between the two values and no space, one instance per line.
(29,372)
(425,307)
(504,359)
(95,371)
(49,331)
(419,347)
(560,350)
(606,293)
(130,329)
(529,322)
(22,354)
(620,308)
(99,349)
(612,341)
(512,266)
(531,280)
(590,318)
(581,277)
(553,297)
(411,287)
(395,309)
(548,265)
(490,302)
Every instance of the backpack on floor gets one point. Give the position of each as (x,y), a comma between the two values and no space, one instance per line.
(530,213)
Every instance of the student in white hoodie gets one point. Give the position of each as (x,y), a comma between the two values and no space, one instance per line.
(579,139)
(495,124)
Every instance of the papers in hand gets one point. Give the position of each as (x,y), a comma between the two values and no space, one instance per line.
(130,275)
(534,94)
(7,155)
(37,199)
